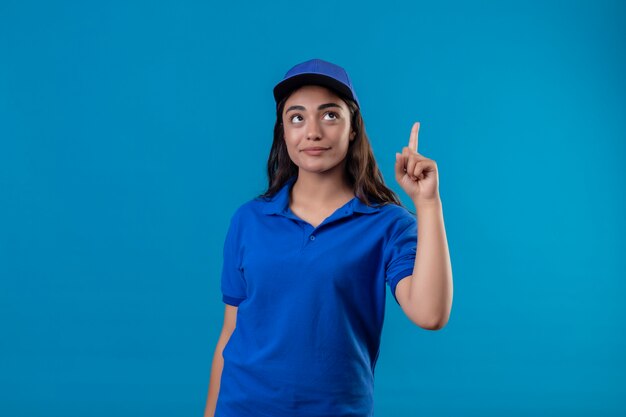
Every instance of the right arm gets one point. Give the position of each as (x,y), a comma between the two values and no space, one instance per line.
(230,321)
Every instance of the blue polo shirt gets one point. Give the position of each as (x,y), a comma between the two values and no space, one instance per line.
(311,303)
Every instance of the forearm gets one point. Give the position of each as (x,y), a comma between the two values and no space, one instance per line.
(431,283)
(214,383)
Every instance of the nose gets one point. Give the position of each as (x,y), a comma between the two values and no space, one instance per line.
(313,132)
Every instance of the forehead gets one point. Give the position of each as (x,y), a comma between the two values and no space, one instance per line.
(313,94)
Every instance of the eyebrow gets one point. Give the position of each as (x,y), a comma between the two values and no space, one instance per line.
(321,107)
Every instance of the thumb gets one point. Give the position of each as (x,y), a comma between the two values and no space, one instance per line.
(399,167)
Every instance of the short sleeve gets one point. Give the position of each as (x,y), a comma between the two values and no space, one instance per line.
(233,284)
(400,252)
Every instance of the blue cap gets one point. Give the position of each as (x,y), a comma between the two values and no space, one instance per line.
(318,72)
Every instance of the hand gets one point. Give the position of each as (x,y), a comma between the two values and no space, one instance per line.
(416,174)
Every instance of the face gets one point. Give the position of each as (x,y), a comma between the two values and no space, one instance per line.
(315,117)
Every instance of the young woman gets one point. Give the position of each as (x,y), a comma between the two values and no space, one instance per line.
(306,264)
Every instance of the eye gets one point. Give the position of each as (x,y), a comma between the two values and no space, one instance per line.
(335,115)
(295,115)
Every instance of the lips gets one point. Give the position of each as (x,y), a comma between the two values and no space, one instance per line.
(315,148)
(315,151)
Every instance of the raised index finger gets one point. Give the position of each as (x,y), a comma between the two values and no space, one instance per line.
(413,138)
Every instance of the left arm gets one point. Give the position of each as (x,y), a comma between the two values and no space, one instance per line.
(426,295)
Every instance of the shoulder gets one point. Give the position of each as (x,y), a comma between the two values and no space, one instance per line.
(395,213)
(398,223)
(249,209)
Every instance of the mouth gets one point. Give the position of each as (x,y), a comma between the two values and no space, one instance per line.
(316,148)
(314,151)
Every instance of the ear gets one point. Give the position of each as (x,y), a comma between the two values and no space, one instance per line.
(352,133)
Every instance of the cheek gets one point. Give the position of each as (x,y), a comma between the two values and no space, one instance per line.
(289,142)
(290,136)
(292,148)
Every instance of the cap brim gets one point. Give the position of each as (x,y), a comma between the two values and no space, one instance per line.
(286,86)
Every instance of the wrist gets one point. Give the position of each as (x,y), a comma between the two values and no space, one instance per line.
(425,205)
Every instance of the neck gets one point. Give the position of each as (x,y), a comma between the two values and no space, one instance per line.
(314,189)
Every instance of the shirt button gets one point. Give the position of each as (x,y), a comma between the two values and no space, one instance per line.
(312,237)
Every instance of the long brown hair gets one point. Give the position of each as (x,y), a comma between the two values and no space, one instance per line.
(362,171)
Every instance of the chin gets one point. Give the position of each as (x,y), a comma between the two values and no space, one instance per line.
(318,169)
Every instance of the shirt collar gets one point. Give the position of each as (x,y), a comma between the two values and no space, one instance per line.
(279,203)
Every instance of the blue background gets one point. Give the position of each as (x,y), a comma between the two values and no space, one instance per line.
(131,131)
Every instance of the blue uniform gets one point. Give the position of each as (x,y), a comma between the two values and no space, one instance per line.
(311,303)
